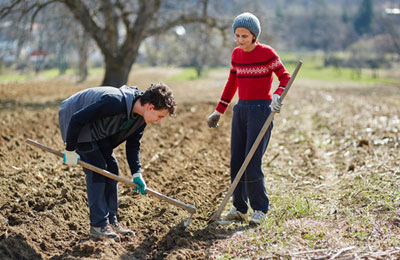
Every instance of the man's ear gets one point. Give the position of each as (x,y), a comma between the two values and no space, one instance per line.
(149,106)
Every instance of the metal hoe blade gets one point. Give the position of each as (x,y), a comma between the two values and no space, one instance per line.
(187,222)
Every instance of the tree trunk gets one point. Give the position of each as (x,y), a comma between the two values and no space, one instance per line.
(83,50)
(117,71)
(61,61)
(198,70)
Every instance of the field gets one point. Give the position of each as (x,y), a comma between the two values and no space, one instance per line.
(332,173)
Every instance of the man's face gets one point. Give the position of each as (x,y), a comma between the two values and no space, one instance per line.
(152,115)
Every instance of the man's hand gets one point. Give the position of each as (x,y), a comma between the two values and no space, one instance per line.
(141,185)
(71,157)
(213,119)
(276,104)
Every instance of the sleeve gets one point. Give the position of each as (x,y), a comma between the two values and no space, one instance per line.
(280,71)
(229,90)
(105,107)
(132,147)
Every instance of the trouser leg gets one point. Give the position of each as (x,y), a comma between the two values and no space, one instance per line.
(111,187)
(248,119)
(238,148)
(255,183)
(101,191)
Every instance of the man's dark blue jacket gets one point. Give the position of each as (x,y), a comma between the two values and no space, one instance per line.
(103,114)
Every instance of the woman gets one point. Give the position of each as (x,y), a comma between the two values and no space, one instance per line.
(251,71)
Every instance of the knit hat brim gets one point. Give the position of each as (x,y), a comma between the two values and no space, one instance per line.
(248,21)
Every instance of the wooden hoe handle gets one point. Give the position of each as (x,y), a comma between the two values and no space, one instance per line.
(190,208)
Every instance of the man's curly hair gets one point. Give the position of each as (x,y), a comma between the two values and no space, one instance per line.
(161,96)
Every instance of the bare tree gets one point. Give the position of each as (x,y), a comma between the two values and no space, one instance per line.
(391,19)
(119,26)
(67,34)
(83,41)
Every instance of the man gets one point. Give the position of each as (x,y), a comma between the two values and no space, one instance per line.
(96,120)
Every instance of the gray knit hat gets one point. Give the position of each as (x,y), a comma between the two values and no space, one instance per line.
(248,21)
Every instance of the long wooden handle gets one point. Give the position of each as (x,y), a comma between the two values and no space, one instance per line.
(254,147)
(188,207)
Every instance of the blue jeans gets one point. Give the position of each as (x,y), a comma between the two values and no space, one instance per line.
(102,192)
(249,117)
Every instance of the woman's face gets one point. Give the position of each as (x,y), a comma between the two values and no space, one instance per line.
(244,39)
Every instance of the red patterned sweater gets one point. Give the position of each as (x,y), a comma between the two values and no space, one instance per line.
(251,73)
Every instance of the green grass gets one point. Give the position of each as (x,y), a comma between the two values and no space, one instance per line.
(188,74)
(312,71)
(45,74)
(296,223)
(288,207)
(360,211)
(14,77)
(5,78)
(53,73)
(313,68)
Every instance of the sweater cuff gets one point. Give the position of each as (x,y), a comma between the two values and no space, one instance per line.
(221,109)
(279,90)
(222,105)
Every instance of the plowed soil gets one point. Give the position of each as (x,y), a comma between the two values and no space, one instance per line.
(43,206)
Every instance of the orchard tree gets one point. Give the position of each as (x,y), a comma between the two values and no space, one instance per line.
(119,26)
(391,19)
(363,19)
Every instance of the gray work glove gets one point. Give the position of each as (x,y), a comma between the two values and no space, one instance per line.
(276,104)
(71,157)
(213,119)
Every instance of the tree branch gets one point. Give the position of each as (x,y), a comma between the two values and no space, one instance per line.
(124,14)
(211,22)
(147,9)
(82,14)
(8,9)
(393,35)
(205,5)
(38,8)
(110,23)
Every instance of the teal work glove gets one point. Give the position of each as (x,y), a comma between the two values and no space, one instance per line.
(71,157)
(141,185)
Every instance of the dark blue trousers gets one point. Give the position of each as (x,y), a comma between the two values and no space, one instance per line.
(249,117)
(102,192)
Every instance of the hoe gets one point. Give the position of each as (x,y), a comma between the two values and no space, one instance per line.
(190,208)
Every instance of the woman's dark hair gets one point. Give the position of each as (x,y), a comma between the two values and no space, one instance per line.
(254,39)
(160,95)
